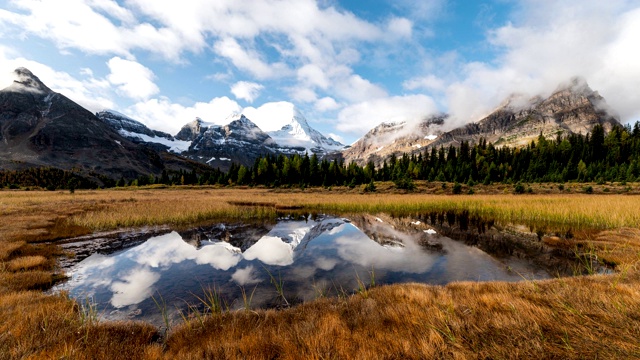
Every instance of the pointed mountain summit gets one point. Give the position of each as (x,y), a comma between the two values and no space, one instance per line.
(298,134)
(26,81)
(242,141)
(42,128)
(190,131)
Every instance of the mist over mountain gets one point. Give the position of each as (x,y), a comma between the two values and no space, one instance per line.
(573,108)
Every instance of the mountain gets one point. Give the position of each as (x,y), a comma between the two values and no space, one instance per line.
(394,138)
(141,134)
(298,135)
(39,127)
(241,141)
(572,108)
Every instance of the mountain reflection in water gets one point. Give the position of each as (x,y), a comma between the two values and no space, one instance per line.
(324,255)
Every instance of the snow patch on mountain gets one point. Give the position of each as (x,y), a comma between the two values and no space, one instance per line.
(139,133)
(176,146)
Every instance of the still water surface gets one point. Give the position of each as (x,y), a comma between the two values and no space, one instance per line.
(311,256)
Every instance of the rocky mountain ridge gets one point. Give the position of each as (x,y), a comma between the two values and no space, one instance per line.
(240,141)
(573,108)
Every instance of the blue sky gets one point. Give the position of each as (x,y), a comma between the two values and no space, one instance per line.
(346,65)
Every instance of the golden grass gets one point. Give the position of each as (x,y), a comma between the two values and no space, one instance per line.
(584,317)
(7,248)
(34,325)
(101,210)
(26,263)
(575,318)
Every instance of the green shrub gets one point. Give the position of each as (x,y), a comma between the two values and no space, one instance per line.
(405,183)
(457,188)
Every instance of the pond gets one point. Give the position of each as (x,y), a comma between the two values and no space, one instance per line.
(309,256)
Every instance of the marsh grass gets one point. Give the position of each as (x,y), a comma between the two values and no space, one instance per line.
(278,284)
(161,305)
(582,317)
(247,299)
(26,263)
(212,300)
(168,206)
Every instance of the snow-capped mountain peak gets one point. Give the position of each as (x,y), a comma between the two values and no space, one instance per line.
(298,134)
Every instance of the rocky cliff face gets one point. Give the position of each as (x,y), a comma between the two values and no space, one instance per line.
(394,138)
(39,127)
(573,108)
(240,141)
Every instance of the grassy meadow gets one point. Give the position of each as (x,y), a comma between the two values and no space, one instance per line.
(594,316)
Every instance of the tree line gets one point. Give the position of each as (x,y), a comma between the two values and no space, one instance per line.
(595,157)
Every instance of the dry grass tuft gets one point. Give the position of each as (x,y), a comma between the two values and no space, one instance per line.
(620,247)
(8,248)
(26,263)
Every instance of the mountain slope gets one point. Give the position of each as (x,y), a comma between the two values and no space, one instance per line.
(39,127)
(141,134)
(573,108)
(393,138)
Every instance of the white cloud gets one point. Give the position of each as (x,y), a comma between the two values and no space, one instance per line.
(134,287)
(313,75)
(316,44)
(270,250)
(429,82)
(302,94)
(336,137)
(247,60)
(354,88)
(326,104)
(132,79)
(271,116)
(245,276)
(359,118)
(553,42)
(75,25)
(162,114)
(246,90)
(400,27)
